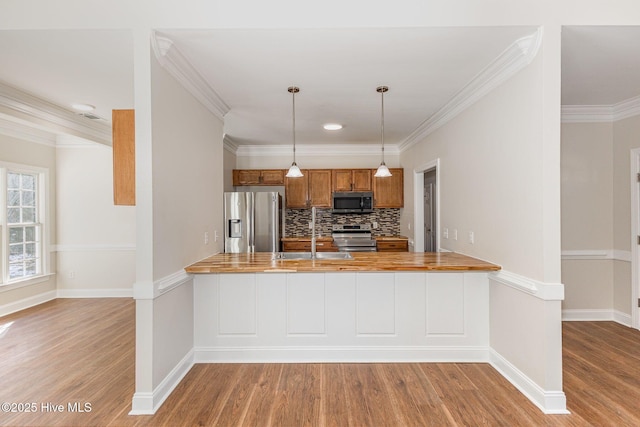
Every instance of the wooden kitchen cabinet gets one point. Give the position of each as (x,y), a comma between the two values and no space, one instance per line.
(390,244)
(388,192)
(258,177)
(320,188)
(312,189)
(296,191)
(351,179)
(303,244)
(124,157)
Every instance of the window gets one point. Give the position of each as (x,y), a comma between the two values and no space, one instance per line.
(22,220)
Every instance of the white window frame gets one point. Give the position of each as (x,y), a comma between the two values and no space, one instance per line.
(43,218)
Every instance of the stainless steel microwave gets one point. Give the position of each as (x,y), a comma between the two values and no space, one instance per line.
(352,202)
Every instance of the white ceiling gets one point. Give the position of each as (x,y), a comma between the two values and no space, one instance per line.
(67,67)
(600,65)
(337,71)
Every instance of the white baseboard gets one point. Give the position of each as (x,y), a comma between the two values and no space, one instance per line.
(622,318)
(549,402)
(364,354)
(96,293)
(147,403)
(596,315)
(27,303)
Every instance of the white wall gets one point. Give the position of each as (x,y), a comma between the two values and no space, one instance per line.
(229,160)
(587,216)
(96,239)
(596,218)
(490,176)
(626,136)
(186,196)
(187,176)
(17,150)
(317,160)
(496,160)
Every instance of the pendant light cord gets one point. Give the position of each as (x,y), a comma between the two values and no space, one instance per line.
(293,90)
(382,90)
(382,124)
(294,126)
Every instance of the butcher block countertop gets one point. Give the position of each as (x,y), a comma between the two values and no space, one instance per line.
(264,262)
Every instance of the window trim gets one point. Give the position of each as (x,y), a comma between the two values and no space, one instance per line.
(44,218)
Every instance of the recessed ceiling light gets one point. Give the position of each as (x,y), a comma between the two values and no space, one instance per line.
(332,126)
(83,107)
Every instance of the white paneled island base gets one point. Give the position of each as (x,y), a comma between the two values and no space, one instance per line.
(341,317)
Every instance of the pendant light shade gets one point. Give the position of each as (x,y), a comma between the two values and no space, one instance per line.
(294,170)
(383,170)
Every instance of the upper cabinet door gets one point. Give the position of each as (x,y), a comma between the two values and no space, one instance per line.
(341,179)
(246,177)
(361,179)
(297,191)
(388,192)
(351,179)
(320,188)
(272,177)
(258,177)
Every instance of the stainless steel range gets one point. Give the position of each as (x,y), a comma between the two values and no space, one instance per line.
(353,238)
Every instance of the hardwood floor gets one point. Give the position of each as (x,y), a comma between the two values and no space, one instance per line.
(82,352)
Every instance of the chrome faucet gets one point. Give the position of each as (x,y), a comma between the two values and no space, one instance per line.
(313,232)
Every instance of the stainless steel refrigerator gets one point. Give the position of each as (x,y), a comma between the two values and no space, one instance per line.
(252,222)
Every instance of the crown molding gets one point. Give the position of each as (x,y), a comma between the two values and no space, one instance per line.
(31,111)
(601,113)
(327,150)
(586,113)
(181,69)
(229,144)
(26,133)
(517,56)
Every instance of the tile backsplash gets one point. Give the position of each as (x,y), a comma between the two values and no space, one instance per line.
(297,221)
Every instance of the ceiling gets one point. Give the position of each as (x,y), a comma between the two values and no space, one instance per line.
(337,71)
(600,65)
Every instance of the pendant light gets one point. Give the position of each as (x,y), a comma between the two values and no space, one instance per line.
(294,170)
(383,170)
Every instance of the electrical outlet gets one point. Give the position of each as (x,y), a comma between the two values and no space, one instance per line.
(72,274)
(374,225)
(310,225)
(445,233)
(206,237)
(471,237)
(215,235)
(455,234)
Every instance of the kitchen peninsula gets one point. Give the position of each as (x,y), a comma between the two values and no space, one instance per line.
(401,306)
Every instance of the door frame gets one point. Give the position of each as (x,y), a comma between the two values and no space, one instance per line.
(635,232)
(418,204)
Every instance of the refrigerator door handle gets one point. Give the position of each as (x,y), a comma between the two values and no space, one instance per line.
(251,222)
(274,223)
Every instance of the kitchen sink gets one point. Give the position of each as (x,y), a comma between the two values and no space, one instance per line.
(307,255)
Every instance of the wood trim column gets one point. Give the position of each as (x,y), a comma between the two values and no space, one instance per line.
(124,157)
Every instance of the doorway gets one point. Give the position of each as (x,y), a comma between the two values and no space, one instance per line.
(635,239)
(430,207)
(427,207)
